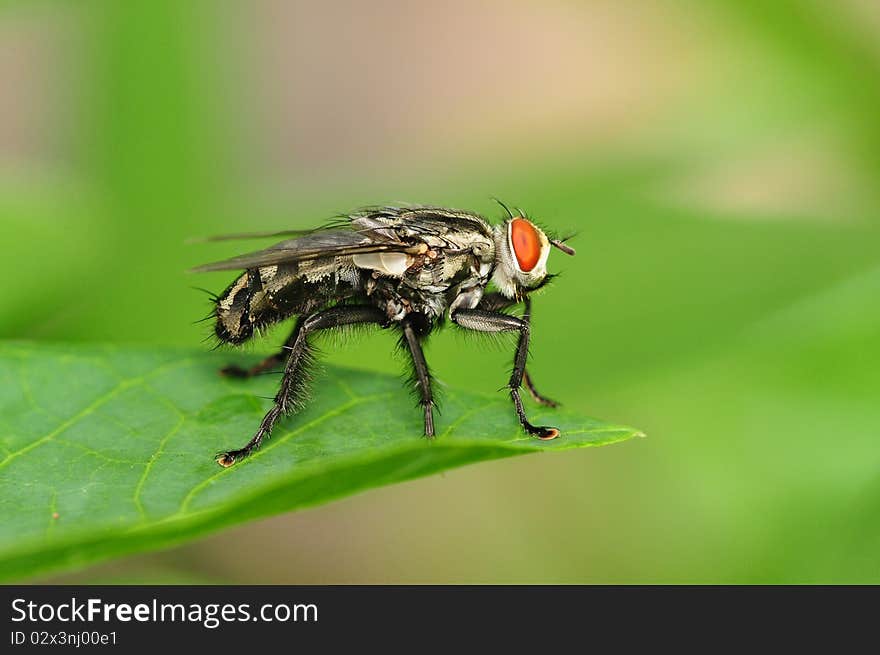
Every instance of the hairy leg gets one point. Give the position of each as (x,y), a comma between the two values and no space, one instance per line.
(421,375)
(495,302)
(488,321)
(293,381)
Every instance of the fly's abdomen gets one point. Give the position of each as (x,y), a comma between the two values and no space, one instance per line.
(261,297)
(235,322)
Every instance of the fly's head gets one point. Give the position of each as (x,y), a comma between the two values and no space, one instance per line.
(521,251)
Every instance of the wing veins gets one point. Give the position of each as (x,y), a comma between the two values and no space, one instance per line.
(273,256)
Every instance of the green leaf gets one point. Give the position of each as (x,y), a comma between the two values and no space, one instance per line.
(108,450)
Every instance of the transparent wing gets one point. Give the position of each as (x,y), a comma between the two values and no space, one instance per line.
(315,245)
(339,223)
(249,235)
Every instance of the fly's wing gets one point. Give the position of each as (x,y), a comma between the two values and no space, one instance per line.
(338,223)
(421,222)
(316,245)
(250,235)
(409,230)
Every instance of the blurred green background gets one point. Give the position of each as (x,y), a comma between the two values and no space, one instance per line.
(720,161)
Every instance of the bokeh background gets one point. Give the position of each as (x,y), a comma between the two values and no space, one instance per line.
(720,160)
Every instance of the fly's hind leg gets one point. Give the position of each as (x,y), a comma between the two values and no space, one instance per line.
(293,381)
(273,360)
(236,371)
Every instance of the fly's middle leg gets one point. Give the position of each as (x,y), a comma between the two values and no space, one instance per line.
(421,376)
(293,381)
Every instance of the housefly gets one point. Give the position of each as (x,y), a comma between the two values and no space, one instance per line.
(405,268)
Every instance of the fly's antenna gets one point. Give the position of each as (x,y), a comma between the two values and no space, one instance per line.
(560,243)
(506,208)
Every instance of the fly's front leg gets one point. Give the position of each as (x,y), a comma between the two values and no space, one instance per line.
(487,321)
(293,381)
(533,392)
(422,376)
(527,379)
(496,302)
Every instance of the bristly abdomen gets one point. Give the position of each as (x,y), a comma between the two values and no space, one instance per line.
(261,297)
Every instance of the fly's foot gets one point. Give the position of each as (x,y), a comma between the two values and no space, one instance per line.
(230,457)
(542,432)
(233,371)
(227,459)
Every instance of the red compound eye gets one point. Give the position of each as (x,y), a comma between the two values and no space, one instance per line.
(526,244)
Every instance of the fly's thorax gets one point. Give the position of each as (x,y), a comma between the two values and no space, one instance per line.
(521,251)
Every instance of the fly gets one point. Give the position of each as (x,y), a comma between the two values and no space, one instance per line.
(404,268)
